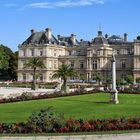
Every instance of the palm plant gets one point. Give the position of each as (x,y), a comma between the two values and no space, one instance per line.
(34,63)
(63,72)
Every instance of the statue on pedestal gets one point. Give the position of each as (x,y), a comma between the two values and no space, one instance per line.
(114,92)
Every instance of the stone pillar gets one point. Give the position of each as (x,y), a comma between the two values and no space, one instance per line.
(114,92)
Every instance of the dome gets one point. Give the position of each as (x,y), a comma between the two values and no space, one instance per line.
(100,39)
(138,37)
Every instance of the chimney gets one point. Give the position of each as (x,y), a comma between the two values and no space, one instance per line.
(106,36)
(49,33)
(32,31)
(99,33)
(73,39)
(58,36)
(125,37)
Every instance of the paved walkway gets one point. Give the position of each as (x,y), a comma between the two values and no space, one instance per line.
(83,137)
(6,92)
(9,92)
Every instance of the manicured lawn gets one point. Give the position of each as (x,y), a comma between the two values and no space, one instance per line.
(84,106)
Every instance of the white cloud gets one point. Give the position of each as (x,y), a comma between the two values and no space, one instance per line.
(64,3)
(10,5)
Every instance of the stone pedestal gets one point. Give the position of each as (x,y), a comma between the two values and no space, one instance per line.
(114,97)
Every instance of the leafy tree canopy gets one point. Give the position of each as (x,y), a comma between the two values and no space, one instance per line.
(8,63)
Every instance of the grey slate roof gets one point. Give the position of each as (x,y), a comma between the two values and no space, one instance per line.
(40,38)
(117,40)
(66,41)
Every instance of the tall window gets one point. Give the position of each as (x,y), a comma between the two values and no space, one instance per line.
(94,64)
(32,52)
(72,64)
(24,77)
(41,77)
(41,53)
(24,53)
(123,65)
(129,51)
(81,65)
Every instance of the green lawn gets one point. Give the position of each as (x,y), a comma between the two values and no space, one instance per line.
(84,106)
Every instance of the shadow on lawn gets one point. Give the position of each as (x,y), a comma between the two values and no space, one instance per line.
(97,102)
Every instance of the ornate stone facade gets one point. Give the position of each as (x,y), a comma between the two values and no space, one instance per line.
(87,57)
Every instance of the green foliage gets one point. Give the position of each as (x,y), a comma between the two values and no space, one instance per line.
(34,63)
(98,77)
(129,79)
(138,79)
(83,77)
(46,120)
(109,80)
(63,72)
(8,63)
(120,82)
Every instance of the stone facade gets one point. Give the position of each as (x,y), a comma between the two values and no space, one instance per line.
(87,57)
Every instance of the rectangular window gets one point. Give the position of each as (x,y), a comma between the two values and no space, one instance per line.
(94,64)
(72,64)
(41,77)
(81,65)
(129,51)
(123,65)
(24,53)
(118,52)
(32,52)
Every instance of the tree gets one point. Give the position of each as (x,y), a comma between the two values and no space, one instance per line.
(83,77)
(98,77)
(8,63)
(34,63)
(120,82)
(108,81)
(138,79)
(129,79)
(63,72)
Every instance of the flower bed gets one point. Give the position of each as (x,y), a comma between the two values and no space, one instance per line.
(71,125)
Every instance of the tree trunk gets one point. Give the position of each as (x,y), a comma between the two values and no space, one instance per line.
(34,80)
(65,85)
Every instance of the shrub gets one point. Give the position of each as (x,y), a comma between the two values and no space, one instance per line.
(46,120)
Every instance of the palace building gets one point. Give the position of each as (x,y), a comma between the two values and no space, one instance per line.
(87,57)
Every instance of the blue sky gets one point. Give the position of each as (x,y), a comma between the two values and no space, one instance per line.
(81,17)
